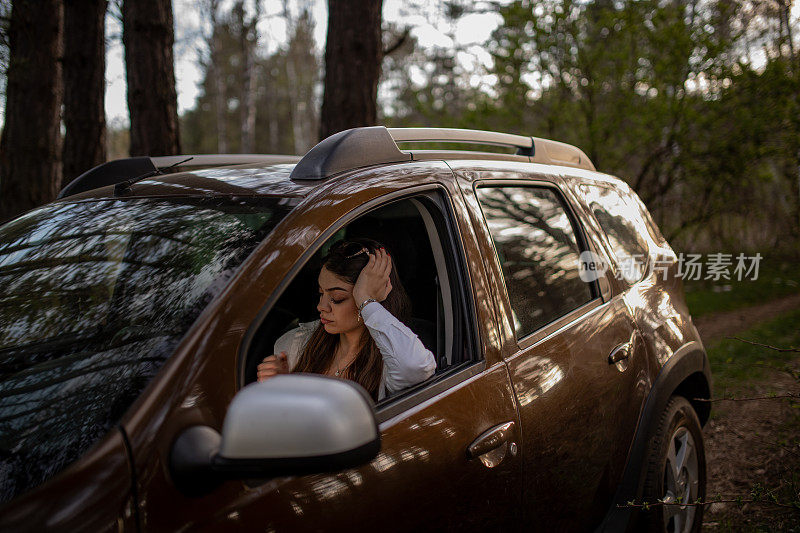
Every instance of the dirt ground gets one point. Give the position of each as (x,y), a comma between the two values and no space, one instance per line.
(720,325)
(752,447)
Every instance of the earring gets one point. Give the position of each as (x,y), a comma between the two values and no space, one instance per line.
(358,317)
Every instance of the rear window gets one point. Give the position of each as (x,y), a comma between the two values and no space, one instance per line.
(623,225)
(95,297)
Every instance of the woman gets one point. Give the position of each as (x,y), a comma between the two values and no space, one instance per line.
(360,335)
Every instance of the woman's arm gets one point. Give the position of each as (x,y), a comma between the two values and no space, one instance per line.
(293,341)
(406,360)
(288,348)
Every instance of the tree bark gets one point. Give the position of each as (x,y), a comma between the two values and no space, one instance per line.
(147,33)
(295,110)
(217,82)
(247,99)
(30,149)
(84,86)
(353,55)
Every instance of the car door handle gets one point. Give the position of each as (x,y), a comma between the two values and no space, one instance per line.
(491,439)
(623,351)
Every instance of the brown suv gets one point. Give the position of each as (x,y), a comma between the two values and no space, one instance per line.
(569,378)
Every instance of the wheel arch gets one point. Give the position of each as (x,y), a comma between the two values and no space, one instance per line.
(686,373)
(696,388)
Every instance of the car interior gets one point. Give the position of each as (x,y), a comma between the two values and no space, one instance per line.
(409,232)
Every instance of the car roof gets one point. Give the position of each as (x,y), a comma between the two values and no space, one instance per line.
(235,180)
(349,150)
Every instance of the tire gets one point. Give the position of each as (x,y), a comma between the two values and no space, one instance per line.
(673,476)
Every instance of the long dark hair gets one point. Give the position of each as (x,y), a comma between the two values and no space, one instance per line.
(346,260)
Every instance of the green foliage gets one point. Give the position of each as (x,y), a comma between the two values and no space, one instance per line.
(658,93)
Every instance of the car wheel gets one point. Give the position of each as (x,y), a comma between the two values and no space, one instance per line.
(676,471)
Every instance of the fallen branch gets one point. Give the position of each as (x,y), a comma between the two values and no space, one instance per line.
(797,350)
(738,501)
(775,397)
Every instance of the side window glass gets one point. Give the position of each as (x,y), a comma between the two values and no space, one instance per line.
(652,227)
(624,228)
(538,252)
(421,257)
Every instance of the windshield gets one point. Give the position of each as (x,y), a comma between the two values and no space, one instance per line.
(94,297)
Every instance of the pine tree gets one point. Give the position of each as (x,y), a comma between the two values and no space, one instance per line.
(30,149)
(84,86)
(152,101)
(353,56)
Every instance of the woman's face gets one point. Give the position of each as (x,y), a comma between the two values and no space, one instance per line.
(337,308)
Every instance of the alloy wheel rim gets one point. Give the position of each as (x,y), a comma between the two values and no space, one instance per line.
(681,482)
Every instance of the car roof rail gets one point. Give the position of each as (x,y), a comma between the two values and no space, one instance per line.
(121,170)
(372,145)
(539,150)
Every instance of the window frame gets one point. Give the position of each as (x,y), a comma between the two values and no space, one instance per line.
(436,199)
(581,239)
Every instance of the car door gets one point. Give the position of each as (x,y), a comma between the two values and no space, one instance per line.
(423,478)
(449,448)
(449,457)
(576,361)
(100,481)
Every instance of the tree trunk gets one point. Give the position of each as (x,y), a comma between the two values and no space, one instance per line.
(84,86)
(247,98)
(353,55)
(30,166)
(273,132)
(221,109)
(147,33)
(295,110)
(216,82)
(294,106)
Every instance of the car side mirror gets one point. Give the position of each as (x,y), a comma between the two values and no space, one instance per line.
(291,424)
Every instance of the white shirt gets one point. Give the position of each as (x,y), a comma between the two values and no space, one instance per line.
(406,361)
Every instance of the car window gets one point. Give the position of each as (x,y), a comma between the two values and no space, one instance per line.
(623,225)
(538,252)
(424,266)
(646,217)
(95,297)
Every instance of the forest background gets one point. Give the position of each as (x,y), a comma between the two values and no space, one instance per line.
(695,103)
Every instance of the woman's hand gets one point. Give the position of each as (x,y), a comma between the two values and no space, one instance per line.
(272,366)
(373,281)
